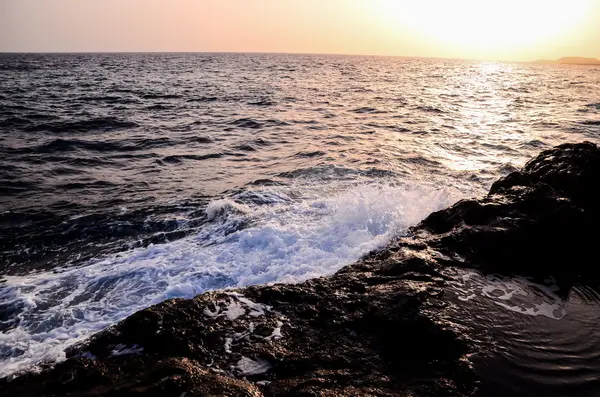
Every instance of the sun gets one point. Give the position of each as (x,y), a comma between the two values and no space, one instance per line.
(486,24)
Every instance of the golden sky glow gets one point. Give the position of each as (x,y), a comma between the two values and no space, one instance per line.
(486,29)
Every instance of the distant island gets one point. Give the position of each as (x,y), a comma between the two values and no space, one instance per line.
(571,61)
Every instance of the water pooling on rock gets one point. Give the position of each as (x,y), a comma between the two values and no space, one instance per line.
(516,294)
(534,337)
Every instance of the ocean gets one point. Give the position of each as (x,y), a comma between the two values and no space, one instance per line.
(128,179)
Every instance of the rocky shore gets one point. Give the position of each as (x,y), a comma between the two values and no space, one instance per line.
(370,329)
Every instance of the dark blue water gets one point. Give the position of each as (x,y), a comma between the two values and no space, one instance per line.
(126,179)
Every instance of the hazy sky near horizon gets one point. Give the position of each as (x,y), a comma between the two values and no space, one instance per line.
(485,29)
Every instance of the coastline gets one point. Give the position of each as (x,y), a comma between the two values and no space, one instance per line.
(371,328)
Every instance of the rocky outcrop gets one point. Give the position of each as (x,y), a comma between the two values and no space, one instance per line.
(370,329)
(539,220)
(362,331)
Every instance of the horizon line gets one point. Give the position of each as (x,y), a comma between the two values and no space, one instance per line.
(289,53)
(266,53)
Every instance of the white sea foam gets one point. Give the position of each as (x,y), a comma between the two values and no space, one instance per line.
(236,307)
(247,366)
(263,382)
(227,345)
(517,294)
(121,350)
(290,236)
(245,334)
(234,310)
(276,334)
(220,208)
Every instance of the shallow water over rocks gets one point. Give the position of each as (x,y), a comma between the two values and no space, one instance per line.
(534,337)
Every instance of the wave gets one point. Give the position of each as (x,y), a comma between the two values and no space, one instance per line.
(430,109)
(86,185)
(67,145)
(535,143)
(255,124)
(112,99)
(200,139)
(62,145)
(316,153)
(264,182)
(25,120)
(9,187)
(591,122)
(203,99)
(368,110)
(279,240)
(262,102)
(245,148)
(261,142)
(334,172)
(88,125)
(160,96)
(55,237)
(180,158)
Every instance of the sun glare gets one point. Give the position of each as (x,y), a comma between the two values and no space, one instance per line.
(487,24)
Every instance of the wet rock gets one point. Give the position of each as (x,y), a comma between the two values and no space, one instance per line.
(540,220)
(370,329)
(355,333)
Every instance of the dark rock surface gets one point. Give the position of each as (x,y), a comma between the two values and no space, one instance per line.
(542,219)
(370,329)
(360,332)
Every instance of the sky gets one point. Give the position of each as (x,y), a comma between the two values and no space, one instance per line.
(519,30)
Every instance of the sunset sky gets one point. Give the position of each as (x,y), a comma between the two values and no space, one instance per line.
(481,29)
